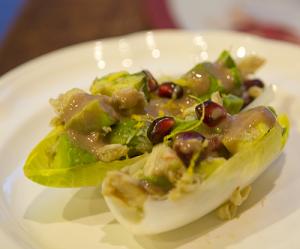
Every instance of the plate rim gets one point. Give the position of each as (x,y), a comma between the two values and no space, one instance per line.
(77,46)
(14,73)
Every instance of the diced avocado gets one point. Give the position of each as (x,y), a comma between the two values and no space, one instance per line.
(201,80)
(247,127)
(206,77)
(92,117)
(233,104)
(123,132)
(101,85)
(235,144)
(111,83)
(67,154)
(133,134)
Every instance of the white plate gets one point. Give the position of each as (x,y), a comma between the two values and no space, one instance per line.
(32,216)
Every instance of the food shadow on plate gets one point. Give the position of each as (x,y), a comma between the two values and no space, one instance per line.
(206,225)
(85,206)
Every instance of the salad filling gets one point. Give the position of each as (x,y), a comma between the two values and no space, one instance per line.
(158,140)
(116,116)
(176,165)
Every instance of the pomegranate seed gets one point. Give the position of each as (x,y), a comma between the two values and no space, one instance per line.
(159,128)
(254,82)
(186,144)
(213,113)
(170,90)
(152,84)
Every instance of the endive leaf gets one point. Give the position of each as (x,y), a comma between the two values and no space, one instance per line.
(237,172)
(56,162)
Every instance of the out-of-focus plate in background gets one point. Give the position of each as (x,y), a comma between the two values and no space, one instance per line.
(275,19)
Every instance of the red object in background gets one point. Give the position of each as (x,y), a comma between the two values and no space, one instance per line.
(272,31)
(159,14)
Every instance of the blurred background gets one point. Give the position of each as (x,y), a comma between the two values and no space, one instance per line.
(29,28)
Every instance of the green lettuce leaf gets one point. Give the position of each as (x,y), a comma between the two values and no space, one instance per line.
(56,162)
(233,104)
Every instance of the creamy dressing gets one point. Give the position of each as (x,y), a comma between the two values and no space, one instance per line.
(169,107)
(90,142)
(249,119)
(200,78)
(78,101)
(130,101)
(222,74)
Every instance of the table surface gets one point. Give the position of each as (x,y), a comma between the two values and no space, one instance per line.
(44,26)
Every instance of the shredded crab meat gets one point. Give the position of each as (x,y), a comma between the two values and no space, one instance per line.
(250,64)
(111,152)
(229,209)
(186,184)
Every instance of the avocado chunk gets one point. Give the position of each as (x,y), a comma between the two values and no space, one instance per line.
(68,154)
(247,127)
(112,83)
(201,80)
(94,116)
(132,133)
(206,78)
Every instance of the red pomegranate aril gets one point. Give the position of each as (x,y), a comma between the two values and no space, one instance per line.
(159,128)
(253,82)
(170,90)
(186,144)
(152,84)
(213,113)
